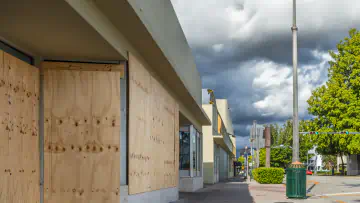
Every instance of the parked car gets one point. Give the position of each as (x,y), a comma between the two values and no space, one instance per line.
(308,172)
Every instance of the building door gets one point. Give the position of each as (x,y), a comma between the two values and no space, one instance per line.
(217,168)
(19,136)
(81,132)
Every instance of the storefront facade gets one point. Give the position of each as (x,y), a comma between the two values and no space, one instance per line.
(88,103)
(190,161)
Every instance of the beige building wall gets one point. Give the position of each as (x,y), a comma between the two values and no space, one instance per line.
(208,148)
(223,108)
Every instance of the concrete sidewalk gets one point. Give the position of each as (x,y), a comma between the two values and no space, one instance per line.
(232,191)
(238,190)
(262,193)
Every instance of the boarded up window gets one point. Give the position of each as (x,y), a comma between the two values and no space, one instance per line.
(19,140)
(82,132)
(153,132)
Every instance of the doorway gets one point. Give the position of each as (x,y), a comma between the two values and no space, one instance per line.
(217,168)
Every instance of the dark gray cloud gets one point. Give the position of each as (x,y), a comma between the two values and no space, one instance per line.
(243,50)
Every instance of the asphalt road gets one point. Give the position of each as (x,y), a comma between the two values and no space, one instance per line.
(335,189)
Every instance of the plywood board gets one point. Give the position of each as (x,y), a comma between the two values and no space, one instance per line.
(140,130)
(105,140)
(152,115)
(82,162)
(4,133)
(88,67)
(19,153)
(48,87)
(177,145)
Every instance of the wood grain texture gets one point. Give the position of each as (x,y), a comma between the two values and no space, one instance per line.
(48,87)
(177,145)
(139,130)
(152,140)
(86,67)
(19,153)
(4,134)
(82,108)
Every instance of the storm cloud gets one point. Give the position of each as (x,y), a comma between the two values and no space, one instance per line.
(243,50)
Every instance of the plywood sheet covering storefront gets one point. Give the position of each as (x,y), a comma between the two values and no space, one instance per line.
(19,140)
(177,145)
(82,132)
(153,132)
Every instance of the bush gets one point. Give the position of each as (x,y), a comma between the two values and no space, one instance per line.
(269,175)
(339,173)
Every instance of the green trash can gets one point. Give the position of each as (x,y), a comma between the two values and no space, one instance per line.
(296,181)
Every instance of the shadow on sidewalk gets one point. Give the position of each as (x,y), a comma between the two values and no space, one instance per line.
(234,190)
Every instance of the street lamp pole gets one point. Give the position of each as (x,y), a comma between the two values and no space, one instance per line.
(247,163)
(295,90)
(293,188)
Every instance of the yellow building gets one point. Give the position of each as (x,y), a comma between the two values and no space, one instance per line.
(219,142)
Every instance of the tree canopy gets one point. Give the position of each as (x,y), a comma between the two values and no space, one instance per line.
(241,159)
(284,136)
(279,156)
(336,105)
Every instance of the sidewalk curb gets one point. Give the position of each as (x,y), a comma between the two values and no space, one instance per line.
(179,201)
(308,190)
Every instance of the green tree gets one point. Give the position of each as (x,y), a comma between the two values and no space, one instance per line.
(336,104)
(286,131)
(306,140)
(275,133)
(250,159)
(329,161)
(241,160)
(279,156)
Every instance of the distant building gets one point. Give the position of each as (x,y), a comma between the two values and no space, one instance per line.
(219,148)
(315,162)
(353,164)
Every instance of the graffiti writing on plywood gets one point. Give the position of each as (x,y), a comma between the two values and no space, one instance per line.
(139,157)
(156,139)
(140,85)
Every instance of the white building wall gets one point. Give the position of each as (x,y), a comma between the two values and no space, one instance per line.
(345,158)
(353,165)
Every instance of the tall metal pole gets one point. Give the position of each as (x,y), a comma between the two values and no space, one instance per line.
(295,90)
(247,163)
(292,191)
(258,147)
(267,146)
(256,140)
